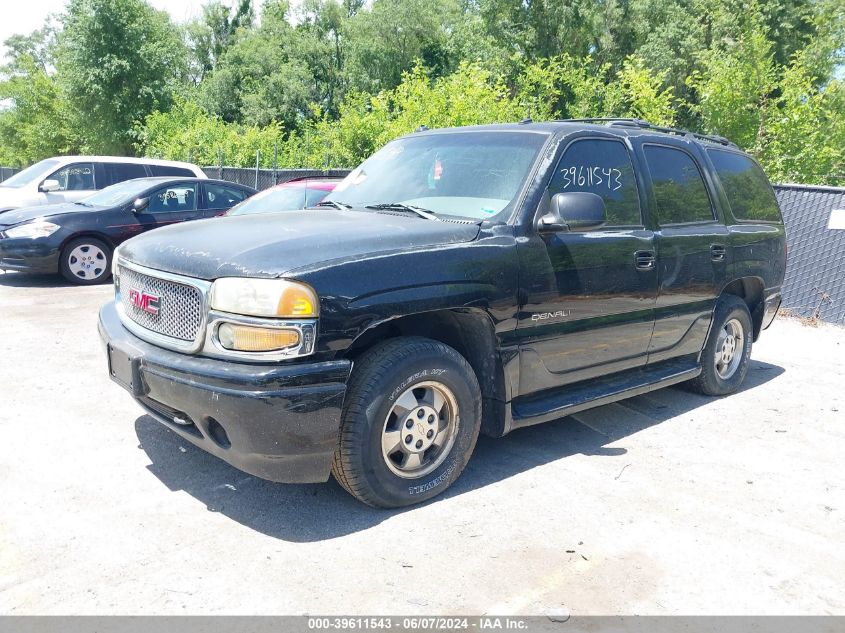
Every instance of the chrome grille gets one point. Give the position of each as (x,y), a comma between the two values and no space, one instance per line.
(180,305)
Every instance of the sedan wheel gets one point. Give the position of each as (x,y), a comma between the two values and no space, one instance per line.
(86,261)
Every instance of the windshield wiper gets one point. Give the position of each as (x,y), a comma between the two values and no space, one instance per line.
(334,203)
(83,204)
(401,206)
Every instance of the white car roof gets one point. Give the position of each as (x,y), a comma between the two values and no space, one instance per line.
(128,159)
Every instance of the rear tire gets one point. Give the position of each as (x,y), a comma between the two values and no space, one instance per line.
(410,422)
(725,358)
(86,261)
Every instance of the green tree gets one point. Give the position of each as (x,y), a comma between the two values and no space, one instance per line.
(118,60)
(211,35)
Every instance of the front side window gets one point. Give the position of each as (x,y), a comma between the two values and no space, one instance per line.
(174,199)
(75,177)
(679,190)
(602,167)
(468,174)
(746,186)
(222,197)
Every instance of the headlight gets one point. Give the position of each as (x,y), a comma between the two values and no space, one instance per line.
(265,298)
(38,228)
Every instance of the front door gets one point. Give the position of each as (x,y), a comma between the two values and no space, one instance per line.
(588,296)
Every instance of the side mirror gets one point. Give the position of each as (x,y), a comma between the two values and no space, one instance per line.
(49,185)
(140,205)
(574,211)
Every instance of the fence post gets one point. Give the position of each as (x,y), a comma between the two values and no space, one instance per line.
(275,163)
(220,163)
(257,160)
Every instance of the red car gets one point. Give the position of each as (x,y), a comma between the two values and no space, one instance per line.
(289,196)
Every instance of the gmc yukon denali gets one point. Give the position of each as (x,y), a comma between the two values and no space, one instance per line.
(459,281)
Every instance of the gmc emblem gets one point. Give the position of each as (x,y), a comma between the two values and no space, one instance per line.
(144,301)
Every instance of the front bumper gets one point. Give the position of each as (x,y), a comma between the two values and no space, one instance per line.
(278,422)
(30,255)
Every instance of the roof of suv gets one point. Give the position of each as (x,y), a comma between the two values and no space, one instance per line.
(622,127)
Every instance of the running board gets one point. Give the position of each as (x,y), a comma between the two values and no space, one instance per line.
(554,404)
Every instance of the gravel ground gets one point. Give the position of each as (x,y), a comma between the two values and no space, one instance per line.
(669,503)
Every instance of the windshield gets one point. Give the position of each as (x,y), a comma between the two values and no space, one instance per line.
(467,174)
(121,193)
(281,199)
(31,173)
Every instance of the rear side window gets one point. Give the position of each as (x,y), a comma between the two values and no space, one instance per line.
(222,197)
(746,186)
(165,170)
(313,196)
(602,167)
(679,189)
(119,172)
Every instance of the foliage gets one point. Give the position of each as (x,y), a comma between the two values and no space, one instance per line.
(117,60)
(325,82)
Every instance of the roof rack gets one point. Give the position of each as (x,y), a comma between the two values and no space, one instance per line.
(645,125)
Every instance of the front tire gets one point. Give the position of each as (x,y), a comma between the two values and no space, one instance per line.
(86,261)
(410,422)
(726,355)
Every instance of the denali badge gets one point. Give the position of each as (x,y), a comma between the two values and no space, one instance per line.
(542,316)
(144,301)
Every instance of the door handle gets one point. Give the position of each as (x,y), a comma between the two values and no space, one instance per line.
(645,260)
(717,252)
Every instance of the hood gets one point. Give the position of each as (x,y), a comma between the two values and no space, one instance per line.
(273,244)
(25,214)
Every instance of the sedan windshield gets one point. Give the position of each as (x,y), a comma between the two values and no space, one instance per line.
(467,174)
(31,173)
(276,199)
(121,193)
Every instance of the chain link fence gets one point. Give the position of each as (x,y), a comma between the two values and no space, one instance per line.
(7,172)
(264,178)
(815,273)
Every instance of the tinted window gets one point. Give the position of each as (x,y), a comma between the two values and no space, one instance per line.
(75,177)
(173,199)
(602,167)
(164,170)
(679,189)
(313,196)
(748,190)
(222,197)
(118,172)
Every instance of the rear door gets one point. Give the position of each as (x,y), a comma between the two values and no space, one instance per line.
(691,245)
(588,295)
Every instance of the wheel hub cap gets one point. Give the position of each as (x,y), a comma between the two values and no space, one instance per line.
(420,429)
(729,349)
(86,261)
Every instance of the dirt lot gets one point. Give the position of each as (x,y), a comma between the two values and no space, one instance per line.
(669,503)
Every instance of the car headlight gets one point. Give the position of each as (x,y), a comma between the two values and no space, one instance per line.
(38,228)
(277,298)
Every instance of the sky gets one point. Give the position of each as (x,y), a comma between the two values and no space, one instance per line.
(30,15)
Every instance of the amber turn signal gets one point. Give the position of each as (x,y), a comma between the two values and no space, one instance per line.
(247,338)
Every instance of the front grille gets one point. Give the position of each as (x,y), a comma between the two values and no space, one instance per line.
(179,312)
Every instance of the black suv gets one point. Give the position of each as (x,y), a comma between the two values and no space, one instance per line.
(460,280)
